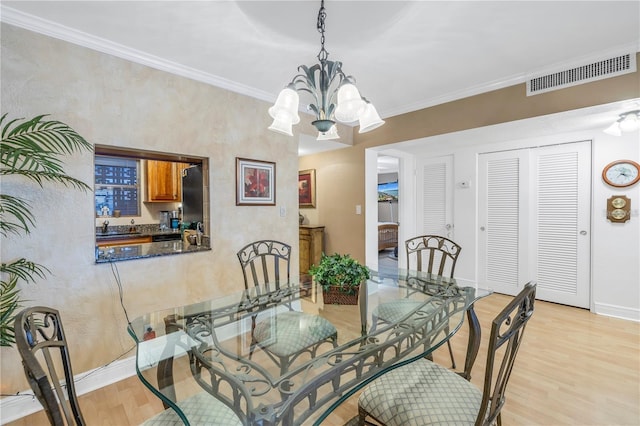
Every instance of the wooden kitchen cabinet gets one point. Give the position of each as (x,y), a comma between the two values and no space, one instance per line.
(311,246)
(164,181)
(106,242)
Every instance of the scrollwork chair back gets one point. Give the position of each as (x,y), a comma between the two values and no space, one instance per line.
(433,254)
(42,344)
(265,262)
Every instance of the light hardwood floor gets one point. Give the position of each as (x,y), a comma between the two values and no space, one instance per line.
(574,368)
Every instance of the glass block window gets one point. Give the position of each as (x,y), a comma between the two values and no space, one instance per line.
(117,186)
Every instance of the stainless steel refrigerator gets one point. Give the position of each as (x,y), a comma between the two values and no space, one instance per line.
(192,197)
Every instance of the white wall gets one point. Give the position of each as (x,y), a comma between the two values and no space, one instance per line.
(615,248)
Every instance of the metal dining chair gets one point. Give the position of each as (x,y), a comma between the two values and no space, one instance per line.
(426,253)
(43,347)
(285,335)
(425,393)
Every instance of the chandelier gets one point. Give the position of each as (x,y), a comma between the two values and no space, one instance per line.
(335,97)
(628,122)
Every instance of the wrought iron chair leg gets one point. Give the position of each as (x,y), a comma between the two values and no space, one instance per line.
(473,344)
(453,360)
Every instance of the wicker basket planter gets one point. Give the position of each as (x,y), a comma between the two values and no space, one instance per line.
(340,277)
(334,295)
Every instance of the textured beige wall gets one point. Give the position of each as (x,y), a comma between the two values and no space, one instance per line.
(111,101)
(339,188)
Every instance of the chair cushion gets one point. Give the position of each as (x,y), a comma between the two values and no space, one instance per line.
(200,409)
(421,393)
(393,312)
(287,333)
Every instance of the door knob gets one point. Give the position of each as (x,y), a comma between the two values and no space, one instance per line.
(583,232)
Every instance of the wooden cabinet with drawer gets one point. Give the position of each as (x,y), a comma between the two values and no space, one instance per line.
(311,246)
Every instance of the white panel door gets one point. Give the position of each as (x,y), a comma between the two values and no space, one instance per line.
(434,187)
(534,219)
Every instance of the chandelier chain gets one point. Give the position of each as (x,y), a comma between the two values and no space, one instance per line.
(322,14)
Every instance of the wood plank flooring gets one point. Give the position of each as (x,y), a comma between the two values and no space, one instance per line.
(574,368)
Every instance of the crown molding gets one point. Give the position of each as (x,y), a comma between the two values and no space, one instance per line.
(42,26)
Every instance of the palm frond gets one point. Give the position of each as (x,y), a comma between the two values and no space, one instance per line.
(24,269)
(40,176)
(31,149)
(19,209)
(53,135)
(9,304)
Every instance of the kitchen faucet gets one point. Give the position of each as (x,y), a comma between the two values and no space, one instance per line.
(105,226)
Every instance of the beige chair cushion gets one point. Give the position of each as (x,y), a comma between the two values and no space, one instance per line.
(200,409)
(287,333)
(421,393)
(395,311)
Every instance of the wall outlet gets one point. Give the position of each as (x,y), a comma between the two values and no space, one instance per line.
(283,211)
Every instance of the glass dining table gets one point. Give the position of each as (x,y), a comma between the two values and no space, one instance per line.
(209,347)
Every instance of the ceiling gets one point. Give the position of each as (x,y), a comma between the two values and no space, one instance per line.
(404,55)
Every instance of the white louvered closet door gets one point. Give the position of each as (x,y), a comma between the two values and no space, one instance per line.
(534,221)
(561,224)
(501,209)
(435,197)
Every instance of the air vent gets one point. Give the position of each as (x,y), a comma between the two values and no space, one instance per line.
(606,68)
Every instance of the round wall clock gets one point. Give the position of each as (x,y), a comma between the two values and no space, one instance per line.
(621,173)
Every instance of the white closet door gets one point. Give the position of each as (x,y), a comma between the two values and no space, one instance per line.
(500,216)
(561,224)
(434,178)
(534,219)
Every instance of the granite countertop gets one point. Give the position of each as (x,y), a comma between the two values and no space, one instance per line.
(145,250)
(116,232)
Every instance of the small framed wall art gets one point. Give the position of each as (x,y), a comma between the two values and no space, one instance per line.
(255,182)
(307,188)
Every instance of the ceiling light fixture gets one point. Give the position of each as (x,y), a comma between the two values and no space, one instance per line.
(335,97)
(628,122)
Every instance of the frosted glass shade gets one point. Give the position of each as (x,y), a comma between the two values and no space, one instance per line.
(350,104)
(369,119)
(282,124)
(285,112)
(332,133)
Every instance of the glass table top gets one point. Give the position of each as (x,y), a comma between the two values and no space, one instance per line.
(279,355)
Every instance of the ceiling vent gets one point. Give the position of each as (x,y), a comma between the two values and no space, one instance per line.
(606,68)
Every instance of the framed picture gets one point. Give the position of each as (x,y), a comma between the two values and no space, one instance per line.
(255,183)
(307,188)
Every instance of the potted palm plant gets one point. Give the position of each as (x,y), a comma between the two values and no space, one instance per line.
(340,277)
(31,149)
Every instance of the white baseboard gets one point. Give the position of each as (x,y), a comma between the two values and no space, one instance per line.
(617,311)
(21,405)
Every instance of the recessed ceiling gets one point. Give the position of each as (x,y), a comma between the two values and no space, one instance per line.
(404,55)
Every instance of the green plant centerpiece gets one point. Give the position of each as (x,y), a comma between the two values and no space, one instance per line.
(340,276)
(30,149)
